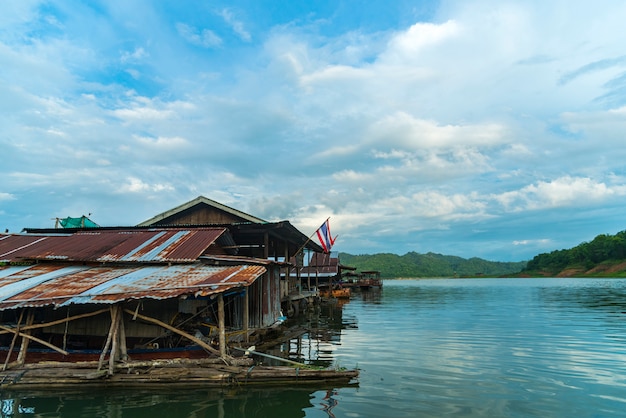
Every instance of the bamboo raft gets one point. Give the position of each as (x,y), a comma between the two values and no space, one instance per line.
(205,373)
(113,367)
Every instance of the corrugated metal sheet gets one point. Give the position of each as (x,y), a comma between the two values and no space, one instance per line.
(16,287)
(154,245)
(54,285)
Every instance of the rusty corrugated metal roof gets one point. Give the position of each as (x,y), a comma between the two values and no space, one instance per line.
(153,245)
(43,285)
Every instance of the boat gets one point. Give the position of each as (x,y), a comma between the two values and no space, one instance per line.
(365,280)
(335,292)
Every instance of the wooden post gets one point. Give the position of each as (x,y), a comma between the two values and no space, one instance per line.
(246,313)
(17,332)
(109,337)
(115,339)
(67,325)
(221,323)
(21,357)
(123,346)
(308,275)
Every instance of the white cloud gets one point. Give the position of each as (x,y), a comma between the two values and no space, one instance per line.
(205,38)
(562,192)
(237,26)
(540,242)
(407,46)
(408,132)
(136,185)
(6,196)
(164,144)
(138,54)
(144,109)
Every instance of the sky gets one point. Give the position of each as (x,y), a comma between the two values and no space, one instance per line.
(475,128)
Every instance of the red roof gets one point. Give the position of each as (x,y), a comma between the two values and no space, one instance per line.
(152,245)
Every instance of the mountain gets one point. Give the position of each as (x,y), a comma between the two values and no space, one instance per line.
(413,264)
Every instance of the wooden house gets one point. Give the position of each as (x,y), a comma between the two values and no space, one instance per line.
(254,237)
(211,282)
(109,299)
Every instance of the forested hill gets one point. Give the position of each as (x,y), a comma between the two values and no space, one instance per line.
(429,265)
(605,256)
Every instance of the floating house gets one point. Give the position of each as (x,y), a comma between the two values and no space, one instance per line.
(187,285)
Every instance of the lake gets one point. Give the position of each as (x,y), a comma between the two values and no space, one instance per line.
(426,348)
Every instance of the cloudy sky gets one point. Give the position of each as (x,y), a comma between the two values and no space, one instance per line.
(473,127)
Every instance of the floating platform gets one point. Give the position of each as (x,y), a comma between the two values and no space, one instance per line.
(209,373)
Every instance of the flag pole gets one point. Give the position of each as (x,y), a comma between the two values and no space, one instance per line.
(302,247)
(309,239)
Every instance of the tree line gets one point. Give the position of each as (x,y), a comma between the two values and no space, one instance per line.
(414,264)
(603,248)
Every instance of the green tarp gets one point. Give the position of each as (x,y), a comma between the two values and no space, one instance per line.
(82,222)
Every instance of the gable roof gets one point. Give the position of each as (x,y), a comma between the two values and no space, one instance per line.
(201,201)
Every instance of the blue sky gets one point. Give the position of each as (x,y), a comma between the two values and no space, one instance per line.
(473,128)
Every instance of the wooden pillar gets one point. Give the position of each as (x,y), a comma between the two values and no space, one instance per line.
(118,339)
(287,270)
(246,313)
(21,357)
(317,279)
(115,340)
(123,346)
(112,330)
(15,335)
(308,276)
(221,323)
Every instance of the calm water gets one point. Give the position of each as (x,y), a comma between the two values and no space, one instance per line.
(426,348)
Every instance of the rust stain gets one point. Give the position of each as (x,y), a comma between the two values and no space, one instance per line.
(116,284)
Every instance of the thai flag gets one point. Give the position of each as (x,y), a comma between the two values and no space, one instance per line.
(323,234)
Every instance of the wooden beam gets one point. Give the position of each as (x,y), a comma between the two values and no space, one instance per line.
(7,330)
(175,330)
(40,341)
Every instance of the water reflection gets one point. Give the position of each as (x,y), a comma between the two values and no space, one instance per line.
(607,295)
(176,403)
(322,330)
